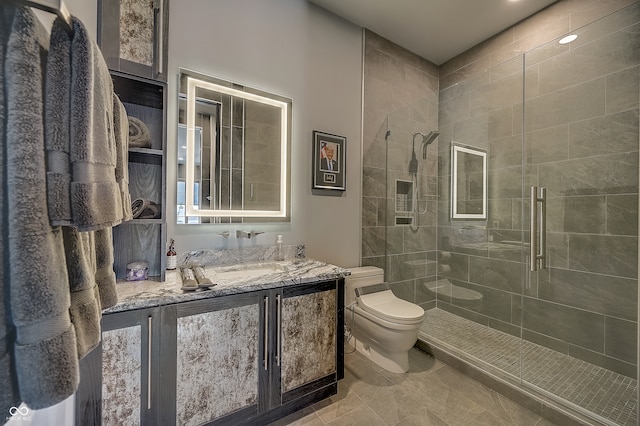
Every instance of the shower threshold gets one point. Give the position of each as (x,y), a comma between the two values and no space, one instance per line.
(612,397)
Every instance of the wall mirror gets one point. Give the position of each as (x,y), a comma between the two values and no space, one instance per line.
(468,182)
(233,152)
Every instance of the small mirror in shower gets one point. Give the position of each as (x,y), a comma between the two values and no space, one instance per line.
(468,182)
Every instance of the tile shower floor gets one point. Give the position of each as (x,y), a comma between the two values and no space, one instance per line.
(430,393)
(603,392)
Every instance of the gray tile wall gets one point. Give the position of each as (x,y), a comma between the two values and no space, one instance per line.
(580,132)
(581,114)
(400,98)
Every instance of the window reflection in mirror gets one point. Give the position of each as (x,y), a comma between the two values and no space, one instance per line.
(468,182)
(233,152)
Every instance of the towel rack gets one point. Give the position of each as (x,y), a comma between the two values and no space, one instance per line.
(56,7)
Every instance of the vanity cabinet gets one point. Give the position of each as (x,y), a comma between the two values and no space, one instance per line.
(247,358)
(144,239)
(311,338)
(133,36)
(216,347)
(120,379)
(255,357)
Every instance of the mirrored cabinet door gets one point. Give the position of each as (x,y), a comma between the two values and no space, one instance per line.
(133,36)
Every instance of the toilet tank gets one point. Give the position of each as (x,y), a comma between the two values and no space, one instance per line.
(361,277)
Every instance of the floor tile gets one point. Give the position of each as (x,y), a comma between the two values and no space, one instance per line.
(431,393)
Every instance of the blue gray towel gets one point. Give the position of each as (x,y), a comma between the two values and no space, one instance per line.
(45,349)
(85,145)
(9,396)
(81,143)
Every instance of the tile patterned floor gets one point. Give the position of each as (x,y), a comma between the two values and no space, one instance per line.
(430,393)
(603,392)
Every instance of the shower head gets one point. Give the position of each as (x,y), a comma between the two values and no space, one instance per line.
(426,140)
(430,137)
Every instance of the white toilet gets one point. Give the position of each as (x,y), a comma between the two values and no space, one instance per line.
(384,326)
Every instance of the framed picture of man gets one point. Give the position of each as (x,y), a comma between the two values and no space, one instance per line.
(329,161)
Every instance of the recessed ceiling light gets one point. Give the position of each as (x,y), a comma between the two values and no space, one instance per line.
(568,39)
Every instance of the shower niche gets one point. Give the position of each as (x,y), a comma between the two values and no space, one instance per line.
(403,202)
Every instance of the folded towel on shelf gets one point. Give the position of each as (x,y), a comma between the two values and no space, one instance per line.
(145,209)
(80,96)
(45,353)
(121,133)
(139,136)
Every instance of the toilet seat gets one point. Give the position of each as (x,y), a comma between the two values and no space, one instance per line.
(386,305)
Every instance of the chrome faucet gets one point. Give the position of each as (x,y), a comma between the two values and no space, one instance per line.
(224,234)
(244,234)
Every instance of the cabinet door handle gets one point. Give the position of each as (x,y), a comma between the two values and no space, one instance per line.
(160,34)
(279,326)
(149,331)
(265,354)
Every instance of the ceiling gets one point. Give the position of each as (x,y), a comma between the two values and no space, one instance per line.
(437,30)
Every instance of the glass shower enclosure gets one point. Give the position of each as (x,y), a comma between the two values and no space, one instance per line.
(580,293)
(544,290)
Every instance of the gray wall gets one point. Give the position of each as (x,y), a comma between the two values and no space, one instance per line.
(297,50)
(288,47)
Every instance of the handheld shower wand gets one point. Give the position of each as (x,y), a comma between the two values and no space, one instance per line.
(413,163)
(413,169)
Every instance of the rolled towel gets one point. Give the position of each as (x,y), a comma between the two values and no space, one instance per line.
(145,209)
(137,206)
(151,212)
(139,136)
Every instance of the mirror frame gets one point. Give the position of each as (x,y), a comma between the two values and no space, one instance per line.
(456,150)
(196,80)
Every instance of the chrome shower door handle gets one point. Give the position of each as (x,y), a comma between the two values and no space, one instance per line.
(538,238)
(542,256)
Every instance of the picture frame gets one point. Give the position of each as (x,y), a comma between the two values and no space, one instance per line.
(329,161)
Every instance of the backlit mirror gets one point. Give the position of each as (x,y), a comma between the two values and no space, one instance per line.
(233,152)
(468,182)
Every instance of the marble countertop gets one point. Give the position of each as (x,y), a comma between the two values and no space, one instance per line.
(229,279)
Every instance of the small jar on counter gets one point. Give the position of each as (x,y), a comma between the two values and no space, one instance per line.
(137,271)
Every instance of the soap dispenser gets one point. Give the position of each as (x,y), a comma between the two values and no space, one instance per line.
(279,252)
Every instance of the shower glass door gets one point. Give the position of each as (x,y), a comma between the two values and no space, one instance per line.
(579,306)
